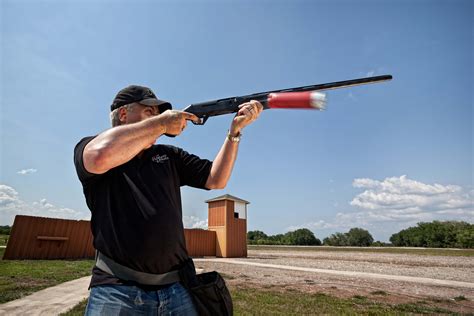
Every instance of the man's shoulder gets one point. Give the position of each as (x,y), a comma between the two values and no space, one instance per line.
(82,173)
(84,140)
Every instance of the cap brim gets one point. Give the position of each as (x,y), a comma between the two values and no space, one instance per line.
(151,101)
(162,105)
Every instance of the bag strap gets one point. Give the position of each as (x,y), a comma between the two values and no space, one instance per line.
(125,273)
(187,274)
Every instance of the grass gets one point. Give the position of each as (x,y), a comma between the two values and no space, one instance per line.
(19,278)
(77,310)
(414,251)
(22,277)
(3,240)
(252,301)
(270,302)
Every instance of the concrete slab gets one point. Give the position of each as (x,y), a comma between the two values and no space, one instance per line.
(51,301)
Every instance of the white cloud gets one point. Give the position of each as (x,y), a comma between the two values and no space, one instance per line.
(404,185)
(194,222)
(397,198)
(399,202)
(370,73)
(320,224)
(11,205)
(26,171)
(7,195)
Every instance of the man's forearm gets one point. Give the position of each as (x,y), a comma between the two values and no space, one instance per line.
(225,159)
(222,165)
(120,144)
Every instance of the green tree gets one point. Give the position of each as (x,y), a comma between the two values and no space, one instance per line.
(465,238)
(5,230)
(302,236)
(278,239)
(256,235)
(359,237)
(379,243)
(354,237)
(337,239)
(436,234)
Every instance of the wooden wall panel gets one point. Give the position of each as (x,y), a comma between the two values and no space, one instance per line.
(216,213)
(200,242)
(237,241)
(221,249)
(49,238)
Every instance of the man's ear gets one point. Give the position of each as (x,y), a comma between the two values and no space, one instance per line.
(122,115)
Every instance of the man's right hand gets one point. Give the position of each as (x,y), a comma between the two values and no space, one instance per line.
(174,122)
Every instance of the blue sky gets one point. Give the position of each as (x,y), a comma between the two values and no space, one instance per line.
(382,157)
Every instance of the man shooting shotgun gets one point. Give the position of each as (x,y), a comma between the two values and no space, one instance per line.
(132,187)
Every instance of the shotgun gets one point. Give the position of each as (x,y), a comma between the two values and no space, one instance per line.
(305,97)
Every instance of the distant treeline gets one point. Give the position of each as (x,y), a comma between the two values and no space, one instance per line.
(436,234)
(354,237)
(449,234)
(5,230)
(298,237)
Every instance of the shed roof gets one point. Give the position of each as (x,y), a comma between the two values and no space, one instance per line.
(227,197)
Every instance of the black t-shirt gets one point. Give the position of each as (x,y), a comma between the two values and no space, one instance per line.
(136,208)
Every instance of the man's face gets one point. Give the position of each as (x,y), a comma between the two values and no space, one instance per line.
(138,112)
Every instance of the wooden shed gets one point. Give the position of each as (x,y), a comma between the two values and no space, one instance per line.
(228,218)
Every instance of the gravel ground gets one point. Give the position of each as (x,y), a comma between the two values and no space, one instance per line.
(389,291)
(435,267)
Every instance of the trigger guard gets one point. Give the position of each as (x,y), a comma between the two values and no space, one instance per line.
(202,120)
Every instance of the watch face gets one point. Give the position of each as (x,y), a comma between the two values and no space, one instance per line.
(234,139)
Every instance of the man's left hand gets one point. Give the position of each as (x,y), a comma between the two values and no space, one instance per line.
(248,112)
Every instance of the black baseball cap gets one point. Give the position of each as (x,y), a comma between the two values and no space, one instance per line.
(139,94)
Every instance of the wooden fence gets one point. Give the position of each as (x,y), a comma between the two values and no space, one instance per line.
(50,238)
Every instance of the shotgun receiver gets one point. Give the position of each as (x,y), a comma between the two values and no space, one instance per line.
(300,97)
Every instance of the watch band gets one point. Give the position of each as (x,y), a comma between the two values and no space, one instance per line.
(234,139)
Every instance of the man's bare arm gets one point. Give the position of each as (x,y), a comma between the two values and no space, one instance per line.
(222,165)
(120,144)
(224,162)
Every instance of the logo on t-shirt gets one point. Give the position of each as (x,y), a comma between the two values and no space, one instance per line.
(159,159)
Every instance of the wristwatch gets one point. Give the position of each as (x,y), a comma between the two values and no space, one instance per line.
(234,139)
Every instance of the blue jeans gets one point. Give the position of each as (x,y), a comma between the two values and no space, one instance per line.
(131,300)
